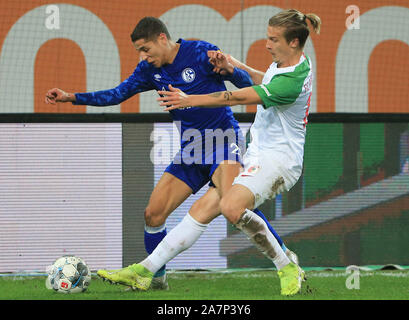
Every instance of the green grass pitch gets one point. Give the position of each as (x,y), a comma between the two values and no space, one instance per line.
(240,285)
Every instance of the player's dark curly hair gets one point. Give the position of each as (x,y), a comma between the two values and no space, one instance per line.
(148,29)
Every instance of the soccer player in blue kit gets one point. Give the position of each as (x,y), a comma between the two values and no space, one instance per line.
(185,65)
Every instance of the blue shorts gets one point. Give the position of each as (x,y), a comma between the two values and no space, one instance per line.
(197,171)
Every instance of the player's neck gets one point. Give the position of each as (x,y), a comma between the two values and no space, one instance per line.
(173,51)
(290,61)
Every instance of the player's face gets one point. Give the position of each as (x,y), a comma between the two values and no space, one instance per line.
(153,51)
(278,46)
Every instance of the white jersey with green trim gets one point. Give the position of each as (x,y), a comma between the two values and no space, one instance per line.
(279,127)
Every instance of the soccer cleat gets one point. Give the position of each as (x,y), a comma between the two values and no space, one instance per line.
(135,276)
(160,283)
(291,277)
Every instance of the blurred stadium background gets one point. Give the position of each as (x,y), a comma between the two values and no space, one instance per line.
(76,180)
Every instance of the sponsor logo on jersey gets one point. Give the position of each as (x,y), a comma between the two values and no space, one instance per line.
(157,77)
(251,171)
(188,75)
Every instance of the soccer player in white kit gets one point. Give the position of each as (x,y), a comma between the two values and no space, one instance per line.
(274,159)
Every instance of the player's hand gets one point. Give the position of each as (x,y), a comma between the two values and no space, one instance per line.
(221,62)
(57,95)
(173,99)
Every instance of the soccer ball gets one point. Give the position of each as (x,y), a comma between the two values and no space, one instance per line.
(68,274)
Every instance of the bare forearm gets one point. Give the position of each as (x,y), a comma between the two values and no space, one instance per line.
(256,75)
(71,97)
(213,100)
(176,99)
(225,98)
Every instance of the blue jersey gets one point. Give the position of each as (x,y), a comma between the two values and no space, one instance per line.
(192,73)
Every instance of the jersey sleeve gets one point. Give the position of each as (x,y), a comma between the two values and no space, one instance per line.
(284,88)
(240,78)
(138,82)
(201,56)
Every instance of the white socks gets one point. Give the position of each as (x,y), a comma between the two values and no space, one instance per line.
(180,238)
(257,231)
(186,233)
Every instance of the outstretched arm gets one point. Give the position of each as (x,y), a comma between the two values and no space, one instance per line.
(225,63)
(102,98)
(136,83)
(176,98)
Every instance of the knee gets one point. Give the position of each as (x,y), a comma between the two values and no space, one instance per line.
(154,218)
(231,211)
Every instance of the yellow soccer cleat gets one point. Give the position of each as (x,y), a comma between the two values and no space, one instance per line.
(135,276)
(291,277)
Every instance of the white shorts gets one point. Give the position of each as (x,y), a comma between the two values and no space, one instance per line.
(265,178)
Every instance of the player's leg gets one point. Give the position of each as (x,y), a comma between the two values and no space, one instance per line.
(223,178)
(194,177)
(187,232)
(290,254)
(167,195)
(207,208)
(262,179)
(236,206)
(180,238)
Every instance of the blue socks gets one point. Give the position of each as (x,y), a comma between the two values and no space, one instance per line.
(153,236)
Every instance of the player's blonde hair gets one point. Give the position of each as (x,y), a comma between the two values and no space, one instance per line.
(295,24)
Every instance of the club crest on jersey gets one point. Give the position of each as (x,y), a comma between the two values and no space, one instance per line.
(188,75)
